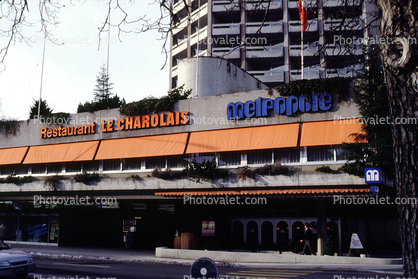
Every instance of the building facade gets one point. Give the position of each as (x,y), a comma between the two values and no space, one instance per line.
(264,37)
(105,179)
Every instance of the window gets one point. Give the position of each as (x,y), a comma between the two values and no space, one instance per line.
(7,170)
(132,164)
(204,156)
(320,153)
(177,162)
(229,159)
(55,168)
(21,169)
(91,166)
(287,155)
(73,167)
(155,163)
(38,169)
(259,157)
(343,154)
(111,165)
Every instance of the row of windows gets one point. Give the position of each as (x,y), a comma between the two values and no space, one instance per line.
(224,159)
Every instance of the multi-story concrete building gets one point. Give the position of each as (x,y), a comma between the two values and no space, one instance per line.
(264,37)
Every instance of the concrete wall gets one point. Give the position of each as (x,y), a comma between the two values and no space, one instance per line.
(245,257)
(118,182)
(215,76)
(209,113)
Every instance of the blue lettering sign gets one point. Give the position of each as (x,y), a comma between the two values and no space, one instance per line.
(280,105)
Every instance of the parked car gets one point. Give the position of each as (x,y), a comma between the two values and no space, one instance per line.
(13,262)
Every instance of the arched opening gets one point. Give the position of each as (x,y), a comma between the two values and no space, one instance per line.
(237,235)
(331,246)
(282,231)
(252,235)
(267,235)
(297,236)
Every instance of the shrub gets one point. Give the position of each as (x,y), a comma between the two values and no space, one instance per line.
(246,172)
(325,169)
(87,178)
(205,170)
(272,169)
(355,168)
(17,179)
(53,182)
(167,174)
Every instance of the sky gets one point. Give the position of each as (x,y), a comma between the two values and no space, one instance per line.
(73,62)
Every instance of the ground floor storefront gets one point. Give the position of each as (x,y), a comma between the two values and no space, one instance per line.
(277,225)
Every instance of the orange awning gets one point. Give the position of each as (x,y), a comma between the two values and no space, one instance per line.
(330,132)
(164,145)
(266,137)
(11,156)
(57,153)
(267,192)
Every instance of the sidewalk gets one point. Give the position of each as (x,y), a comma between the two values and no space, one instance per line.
(148,256)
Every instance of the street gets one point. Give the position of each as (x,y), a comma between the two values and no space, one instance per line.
(60,269)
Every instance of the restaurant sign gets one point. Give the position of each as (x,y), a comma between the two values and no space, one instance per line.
(280,105)
(122,124)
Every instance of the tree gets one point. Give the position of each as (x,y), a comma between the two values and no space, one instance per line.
(103,98)
(371,96)
(45,110)
(399,52)
(103,90)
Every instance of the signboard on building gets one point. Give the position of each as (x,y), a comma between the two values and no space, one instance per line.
(372,175)
(208,228)
(287,106)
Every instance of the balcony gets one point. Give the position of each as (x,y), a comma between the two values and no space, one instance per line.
(202,34)
(337,3)
(268,76)
(225,6)
(307,74)
(340,24)
(226,52)
(294,4)
(179,47)
(266,27)
(265,52)
(308,50)
(338,50)
(274,4)
(296,26)
(226,29)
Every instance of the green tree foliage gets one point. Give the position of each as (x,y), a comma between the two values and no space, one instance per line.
(371,96)
(154,105)
(103,96)
(45,110)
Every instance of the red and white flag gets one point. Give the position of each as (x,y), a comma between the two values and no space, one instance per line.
(303,14)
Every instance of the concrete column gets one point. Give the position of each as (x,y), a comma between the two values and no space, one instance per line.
(286,42)
(322,61)
(321,227)
(210,26)
(243,48)
(189,28)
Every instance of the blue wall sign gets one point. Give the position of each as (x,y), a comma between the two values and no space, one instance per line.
(280,105)
(372,175)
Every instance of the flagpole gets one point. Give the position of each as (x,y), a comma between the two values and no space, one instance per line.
(301,38)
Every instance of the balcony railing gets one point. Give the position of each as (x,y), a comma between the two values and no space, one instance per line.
(269,76)
(226,29)
(296,26)
(266,27)
(264,52)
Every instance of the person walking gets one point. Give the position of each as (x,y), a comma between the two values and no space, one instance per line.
(307,237)
(3,232)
